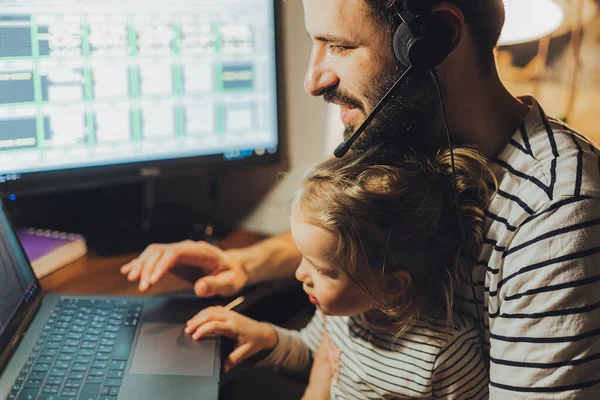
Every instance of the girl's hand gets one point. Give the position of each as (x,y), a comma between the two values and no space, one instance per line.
(250,336)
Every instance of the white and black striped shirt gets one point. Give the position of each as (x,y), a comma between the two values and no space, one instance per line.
(538,277)
(431,360)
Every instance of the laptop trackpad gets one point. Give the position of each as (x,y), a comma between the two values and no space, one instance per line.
(165,349)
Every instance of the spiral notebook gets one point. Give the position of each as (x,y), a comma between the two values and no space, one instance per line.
(50,250)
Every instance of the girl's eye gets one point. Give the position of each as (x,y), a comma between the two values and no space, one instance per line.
(328,274)
(318,271)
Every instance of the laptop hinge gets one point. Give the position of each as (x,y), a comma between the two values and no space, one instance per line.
(21,330)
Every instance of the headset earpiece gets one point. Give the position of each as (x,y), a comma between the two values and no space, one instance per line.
(402,40)
(423,42)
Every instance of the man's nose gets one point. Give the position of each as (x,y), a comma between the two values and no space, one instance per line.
(319,76)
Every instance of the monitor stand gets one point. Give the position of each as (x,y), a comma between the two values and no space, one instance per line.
(156,224)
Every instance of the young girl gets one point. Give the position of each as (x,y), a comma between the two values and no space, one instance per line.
(382,252)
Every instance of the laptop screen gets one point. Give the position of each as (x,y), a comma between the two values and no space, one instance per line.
(18,284)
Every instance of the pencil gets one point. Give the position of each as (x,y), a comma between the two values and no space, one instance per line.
(235,303)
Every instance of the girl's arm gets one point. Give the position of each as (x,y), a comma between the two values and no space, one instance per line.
(290,350)
(295,350)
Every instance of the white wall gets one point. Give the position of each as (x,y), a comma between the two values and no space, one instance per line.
(305,126)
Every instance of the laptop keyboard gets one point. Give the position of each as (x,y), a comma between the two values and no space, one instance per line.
(82,351)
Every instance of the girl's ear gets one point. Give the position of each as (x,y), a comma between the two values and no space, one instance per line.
(397,284)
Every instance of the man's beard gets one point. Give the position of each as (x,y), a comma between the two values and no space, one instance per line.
(408,117)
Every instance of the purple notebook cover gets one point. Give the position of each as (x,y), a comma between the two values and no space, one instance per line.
(37,246)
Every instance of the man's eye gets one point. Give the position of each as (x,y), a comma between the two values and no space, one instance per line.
(339,49)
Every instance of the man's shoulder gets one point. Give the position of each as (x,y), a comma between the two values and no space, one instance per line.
(548,160)
(568,161)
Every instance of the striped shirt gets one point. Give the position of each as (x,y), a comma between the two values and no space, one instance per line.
(431,360)
(538,278)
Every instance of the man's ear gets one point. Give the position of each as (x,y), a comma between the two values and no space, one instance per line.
(398,283)
(450,14)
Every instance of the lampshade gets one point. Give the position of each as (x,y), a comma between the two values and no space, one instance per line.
(528,20)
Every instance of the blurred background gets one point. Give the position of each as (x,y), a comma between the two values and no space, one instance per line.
(562,68)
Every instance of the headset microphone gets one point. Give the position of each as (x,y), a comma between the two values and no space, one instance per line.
(343,147)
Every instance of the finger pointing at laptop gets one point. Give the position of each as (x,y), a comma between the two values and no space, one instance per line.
(224,274)
(227,271)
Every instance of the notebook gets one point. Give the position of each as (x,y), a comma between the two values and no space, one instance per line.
(50,250)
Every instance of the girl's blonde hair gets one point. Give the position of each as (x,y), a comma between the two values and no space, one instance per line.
(392,209)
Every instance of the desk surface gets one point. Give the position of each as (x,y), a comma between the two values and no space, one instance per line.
(93,274)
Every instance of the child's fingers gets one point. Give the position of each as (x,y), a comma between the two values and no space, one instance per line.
(238,355)
(215,327)
(209,311)
(194,324)
(206,315)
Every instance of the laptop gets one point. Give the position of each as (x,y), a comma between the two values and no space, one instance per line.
(60,347)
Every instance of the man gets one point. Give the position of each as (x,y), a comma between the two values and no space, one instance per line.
(536,280)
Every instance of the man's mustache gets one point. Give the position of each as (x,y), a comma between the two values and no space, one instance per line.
(335,95)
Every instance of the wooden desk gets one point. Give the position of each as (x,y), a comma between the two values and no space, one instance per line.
(93,274)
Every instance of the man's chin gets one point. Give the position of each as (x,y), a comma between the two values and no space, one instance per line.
(361,143)
(348,131)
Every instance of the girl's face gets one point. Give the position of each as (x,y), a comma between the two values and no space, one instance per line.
(326,284)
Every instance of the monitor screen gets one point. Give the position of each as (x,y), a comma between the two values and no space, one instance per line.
(90,85)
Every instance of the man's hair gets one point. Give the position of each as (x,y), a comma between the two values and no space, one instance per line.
(484,17)
(392,209)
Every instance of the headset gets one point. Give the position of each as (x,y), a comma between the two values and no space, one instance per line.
(421,43)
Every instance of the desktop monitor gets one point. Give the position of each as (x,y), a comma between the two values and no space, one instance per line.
(97,91)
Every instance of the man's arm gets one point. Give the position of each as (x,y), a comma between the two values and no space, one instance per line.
(459,370)
(545,309)
(225,272)
(273,258)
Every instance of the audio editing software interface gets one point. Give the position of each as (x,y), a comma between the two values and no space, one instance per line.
(98,82)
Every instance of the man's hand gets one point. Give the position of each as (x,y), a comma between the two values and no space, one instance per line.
(319,383)
(250,336)
(225,275)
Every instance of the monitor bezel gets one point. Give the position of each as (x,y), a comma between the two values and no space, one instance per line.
(33,183)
